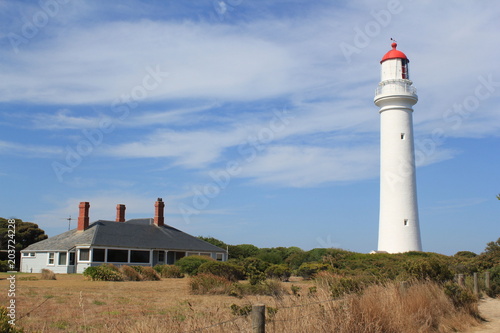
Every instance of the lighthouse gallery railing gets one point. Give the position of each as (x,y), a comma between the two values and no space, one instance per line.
(395,87)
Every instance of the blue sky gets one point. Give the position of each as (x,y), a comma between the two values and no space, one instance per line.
(253,120)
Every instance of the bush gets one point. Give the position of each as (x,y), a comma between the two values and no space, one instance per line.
(190,265)
(169,271)
(256,264)
(5,326)
(47,274)
(254,270)
(281,272)
(428,269)
(4,267)
(105,272)
(206,283)
(308,269)
(267,288)
(494,290)
(130,274)
(229,271)
(461,297)
(149,274)
(340,285)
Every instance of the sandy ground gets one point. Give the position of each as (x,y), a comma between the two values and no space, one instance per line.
(490,310)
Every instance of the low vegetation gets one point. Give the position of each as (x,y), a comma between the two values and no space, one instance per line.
(47,274)
(329,288)
(169,271)
(109,272)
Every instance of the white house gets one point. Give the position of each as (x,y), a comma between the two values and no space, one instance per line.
(146,242)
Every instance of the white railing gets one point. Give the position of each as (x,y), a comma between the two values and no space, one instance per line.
(395,87)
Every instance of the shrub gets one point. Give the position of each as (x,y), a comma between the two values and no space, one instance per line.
(149,274)
(267,288)
(5,326)
(339,285)
(281,272)
(346,285)
(254,275)
(428,269)
(494,290)
(4,267)
(308,269)
(169,271)
(461,297)
(190,265)
(47,274)
(104,272)
(130,274)
(256,264)
(209,284)
(229,271)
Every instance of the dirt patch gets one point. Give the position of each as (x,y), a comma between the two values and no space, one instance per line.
(490,311)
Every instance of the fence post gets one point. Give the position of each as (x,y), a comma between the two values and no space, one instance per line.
(487,280)
(476,285)
(461,280)
(258,318)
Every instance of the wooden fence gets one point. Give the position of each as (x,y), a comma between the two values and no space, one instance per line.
(477,283)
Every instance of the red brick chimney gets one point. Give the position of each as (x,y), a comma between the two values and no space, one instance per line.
(83,217)
(159,206)
(120,213)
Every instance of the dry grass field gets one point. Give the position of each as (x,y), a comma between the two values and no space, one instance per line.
(72,304)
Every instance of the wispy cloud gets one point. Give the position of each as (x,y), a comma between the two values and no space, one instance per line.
(305,166)
(28,150)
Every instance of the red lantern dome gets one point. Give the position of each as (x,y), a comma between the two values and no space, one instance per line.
(394,54)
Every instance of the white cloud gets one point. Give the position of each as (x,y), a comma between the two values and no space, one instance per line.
(304,166)
(296,59)
(28,150)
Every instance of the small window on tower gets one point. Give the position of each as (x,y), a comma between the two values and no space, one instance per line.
(406,222)
(404,68)
(402,136)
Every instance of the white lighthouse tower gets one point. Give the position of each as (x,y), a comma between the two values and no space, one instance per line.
(399,229)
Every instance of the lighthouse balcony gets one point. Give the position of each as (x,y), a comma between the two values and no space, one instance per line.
(396,87)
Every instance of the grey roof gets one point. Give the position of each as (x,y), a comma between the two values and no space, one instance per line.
(135,233)
(65,241)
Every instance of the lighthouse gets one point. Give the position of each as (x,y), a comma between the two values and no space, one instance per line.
(399,229)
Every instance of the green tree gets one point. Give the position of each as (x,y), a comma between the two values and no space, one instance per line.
(243,251)
(493,247)
(26,233)
(214,241)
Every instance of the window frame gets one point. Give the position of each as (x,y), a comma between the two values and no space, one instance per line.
(51,258)
(62,255)
(80,255)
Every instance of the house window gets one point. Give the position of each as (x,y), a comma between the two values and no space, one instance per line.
(84,255)
(118,255)
(51,258)
(219,256)
(62,258)
(139,256)
(29,254)
(161,256)
(98,255)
